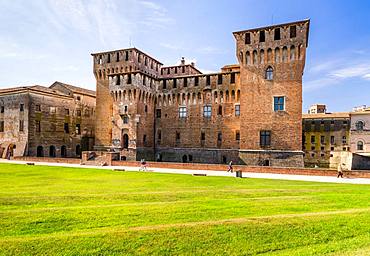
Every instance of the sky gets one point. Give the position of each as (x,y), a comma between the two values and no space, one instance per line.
(42,41)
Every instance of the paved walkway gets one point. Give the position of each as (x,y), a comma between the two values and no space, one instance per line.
(210,173)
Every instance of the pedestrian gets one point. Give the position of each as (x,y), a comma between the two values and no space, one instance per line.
(142,165)
(230,167)
(340,170)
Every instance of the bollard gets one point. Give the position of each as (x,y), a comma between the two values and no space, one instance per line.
(238,174)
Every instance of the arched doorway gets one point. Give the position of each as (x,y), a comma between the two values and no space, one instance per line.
(125,141)
(40,151)
(10,151)
(184,158)
(52,152)
(78,151)
(63,151)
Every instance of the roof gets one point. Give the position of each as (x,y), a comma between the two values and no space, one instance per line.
(75,89)
(326,115)
(186,65)
(32,88)
(277,25)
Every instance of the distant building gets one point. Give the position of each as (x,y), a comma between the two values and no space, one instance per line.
(55,121)
(324,134)
(317,109)
(360,130)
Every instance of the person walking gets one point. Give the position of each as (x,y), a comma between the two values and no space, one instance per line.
(142,165)
(340,170)
(230,167)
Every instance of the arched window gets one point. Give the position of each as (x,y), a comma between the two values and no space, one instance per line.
(63,151)
(262,56)
(255,57)
(269,73)
(125,141)
(360,125)
(40,151)
(248,58)
(184,158)
(277,54)
(78,151)
(52,151)
(360,145)
(292,52)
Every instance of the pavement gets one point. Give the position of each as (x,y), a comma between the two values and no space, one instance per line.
(208,173)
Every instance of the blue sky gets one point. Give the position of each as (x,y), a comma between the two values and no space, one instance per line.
(42,41)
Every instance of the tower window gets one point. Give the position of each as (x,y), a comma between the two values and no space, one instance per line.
(182,112)
(125,119)
(207,111)
(265,138)
(237,110)
(129,79)
(269,74)
(146,109)
(21,107)
(293,31)
(247,38)
(220,110)
(279,103)
(203,136)
(21,125)
(277,34)
(118,80)
(219,137)
(177,137)
(237,135)
(262,36)
(158,113)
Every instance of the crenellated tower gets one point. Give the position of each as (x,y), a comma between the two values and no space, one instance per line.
(272,61)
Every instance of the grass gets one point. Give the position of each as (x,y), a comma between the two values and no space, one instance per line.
(72,211)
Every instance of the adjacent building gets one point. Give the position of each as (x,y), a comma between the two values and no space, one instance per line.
(360,131)
(249,112)
(55,121)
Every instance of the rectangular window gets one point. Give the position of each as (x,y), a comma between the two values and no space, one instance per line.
(265,138)
(219,79)
(117,57)
(313,139)
(182,112)
(207,111)
(344,140)
(196,81)
(38,108)
(219,137)
(53,110)
(185,82)
(2,109)
(125,119)
(168,71)
(66,127)
(66,111)
(38,126)
(158,113)
(332,140)
(247,38)
(322,139)
(279,104)
(126,56)
(78,129)
(129,79)
(161,71)
(21,107)
(177,137)
(203,136)
(277,34)
(174,83)
(237,135)
(21,125)
(175,70)
(1,126)
(232,78)
(262,36)
(108,61)
(208,80)
(237,110)
(293,31)
(78,112)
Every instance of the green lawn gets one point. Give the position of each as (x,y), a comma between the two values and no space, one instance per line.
(71,211)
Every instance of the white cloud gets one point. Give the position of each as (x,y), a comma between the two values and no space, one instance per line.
(366,76)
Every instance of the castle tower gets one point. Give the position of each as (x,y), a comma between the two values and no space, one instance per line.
(272,61)
(126,84)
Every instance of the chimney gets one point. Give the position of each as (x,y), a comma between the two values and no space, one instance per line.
(182,61)
(192,63)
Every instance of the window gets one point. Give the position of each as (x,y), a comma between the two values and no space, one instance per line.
(262,36)
(66,111)
(21,107)
(78,129)
(182,112)
(174,83)
(146,109)
(125,119)
(168,71)
(126,56)
(78,112)
(208,80)
(52,151)
(175,70)
(21,125)
(269,74)
(344,140)
(2,109)
(129,79)
(237,110)
(207,111)
(332,140)
(158,113)
(53,110)
(66,127)
(219,137)
(185,82)
(196,81)
(360,145)
(360,125)
(144,139)
(265,138)
(177,137)
(219,110)
(1,126)
(38,108)
(108,61)
(293,31)
(232,78)
(313,139)
(219,79)
(118,81)
(164,84)
(117,57)
(277,34)
(279,103)
(322,139)
(203,136)
(237,135)
(247,38)
(313,147)
(38,126)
